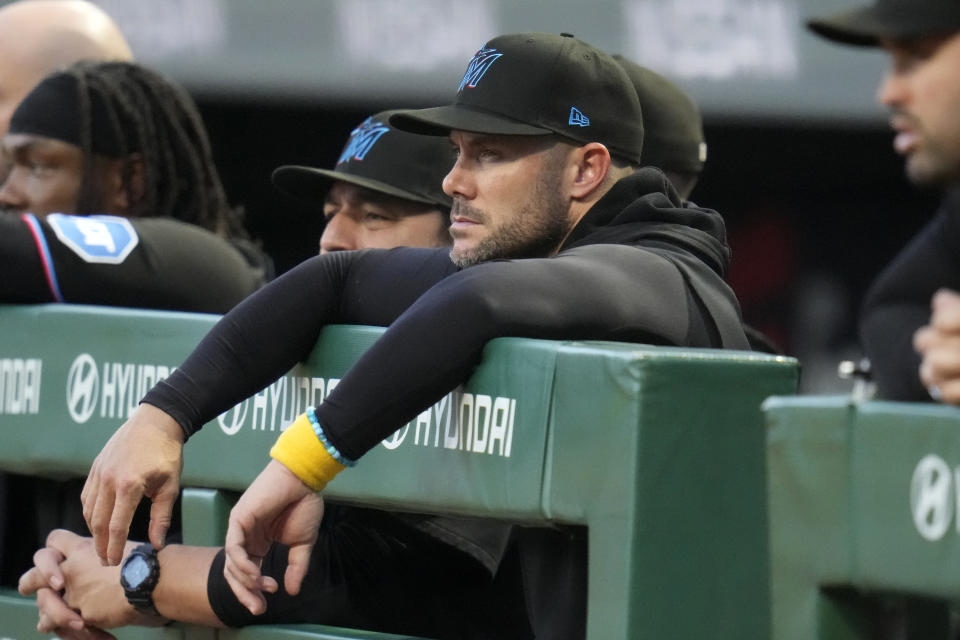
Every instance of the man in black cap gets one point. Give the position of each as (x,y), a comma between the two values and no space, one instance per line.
(385,190)
(556,234)
(673,137)
(922,91)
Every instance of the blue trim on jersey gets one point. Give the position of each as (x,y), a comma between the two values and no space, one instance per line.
(45,257)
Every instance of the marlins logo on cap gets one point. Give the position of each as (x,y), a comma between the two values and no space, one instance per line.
(380,158)
(478,66)
(362,139)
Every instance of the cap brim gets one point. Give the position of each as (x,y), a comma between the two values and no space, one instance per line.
(311,184)
(866,26)
(439,121)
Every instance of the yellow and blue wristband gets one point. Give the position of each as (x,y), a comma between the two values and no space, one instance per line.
(304,449)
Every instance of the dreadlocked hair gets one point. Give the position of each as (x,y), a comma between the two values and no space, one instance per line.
(151,116)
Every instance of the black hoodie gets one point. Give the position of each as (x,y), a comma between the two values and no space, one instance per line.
(640,266)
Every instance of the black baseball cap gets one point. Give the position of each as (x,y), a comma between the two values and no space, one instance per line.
(895,19)
(531,84)
(381,158)
(672,127)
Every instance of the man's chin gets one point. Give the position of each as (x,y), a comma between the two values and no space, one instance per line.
(924,172)
(463,257)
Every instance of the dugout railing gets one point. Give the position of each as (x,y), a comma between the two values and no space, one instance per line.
(658,451)
(864,501)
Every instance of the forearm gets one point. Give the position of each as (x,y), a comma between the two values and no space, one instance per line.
(436,344)
(253,345)
(181,592)
(272,330)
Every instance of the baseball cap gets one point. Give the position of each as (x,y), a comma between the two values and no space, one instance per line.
(380,158)
(864,26)
(672,127)
(532,84)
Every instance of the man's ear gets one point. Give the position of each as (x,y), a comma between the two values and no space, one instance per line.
(593,164)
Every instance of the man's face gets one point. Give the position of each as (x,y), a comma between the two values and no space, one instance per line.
(922,90)
(509,199)
(45,175)
(358,218)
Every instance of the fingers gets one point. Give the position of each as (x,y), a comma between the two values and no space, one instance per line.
(99,521)
(946,303)
(244,589)
(298,561)
(33,580)
(123,509)
(161,513)
(88,496)
(242,573)
(55,614)
(45,572)
(63,540)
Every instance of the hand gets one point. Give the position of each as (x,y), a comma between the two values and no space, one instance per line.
(91,593)
(939,344)
(143,458)
(46,580)
(277,507)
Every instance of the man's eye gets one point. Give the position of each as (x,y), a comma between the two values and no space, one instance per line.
(37,168)
(376,217)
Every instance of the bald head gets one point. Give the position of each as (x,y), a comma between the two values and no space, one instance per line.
(40,36)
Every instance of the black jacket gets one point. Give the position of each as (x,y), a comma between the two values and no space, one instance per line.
(898,302)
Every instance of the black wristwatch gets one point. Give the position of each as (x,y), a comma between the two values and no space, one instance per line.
(138,576)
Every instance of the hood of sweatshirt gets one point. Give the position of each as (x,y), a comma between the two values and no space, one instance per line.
(644,209)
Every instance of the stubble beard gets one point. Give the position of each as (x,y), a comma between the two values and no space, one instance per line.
(534,230)
(933,166)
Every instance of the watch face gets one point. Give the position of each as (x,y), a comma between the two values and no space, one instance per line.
(135,571)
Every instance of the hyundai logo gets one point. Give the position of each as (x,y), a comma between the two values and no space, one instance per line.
(931,497)
(83,384)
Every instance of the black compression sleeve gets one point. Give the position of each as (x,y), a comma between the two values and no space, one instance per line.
(253,345)
(272,330)
(597,292)
(898,304)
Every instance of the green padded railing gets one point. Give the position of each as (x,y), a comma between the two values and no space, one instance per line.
(864,502)
(658,451)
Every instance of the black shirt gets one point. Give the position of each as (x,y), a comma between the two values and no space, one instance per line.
(898,303)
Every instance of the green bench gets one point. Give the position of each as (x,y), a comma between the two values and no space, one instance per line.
(658,451)
(864,502)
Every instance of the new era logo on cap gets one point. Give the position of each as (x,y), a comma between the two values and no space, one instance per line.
(362,140)
(478,66)
(577,118)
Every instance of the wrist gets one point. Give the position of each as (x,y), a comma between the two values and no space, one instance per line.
(163,422)
(302,451)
